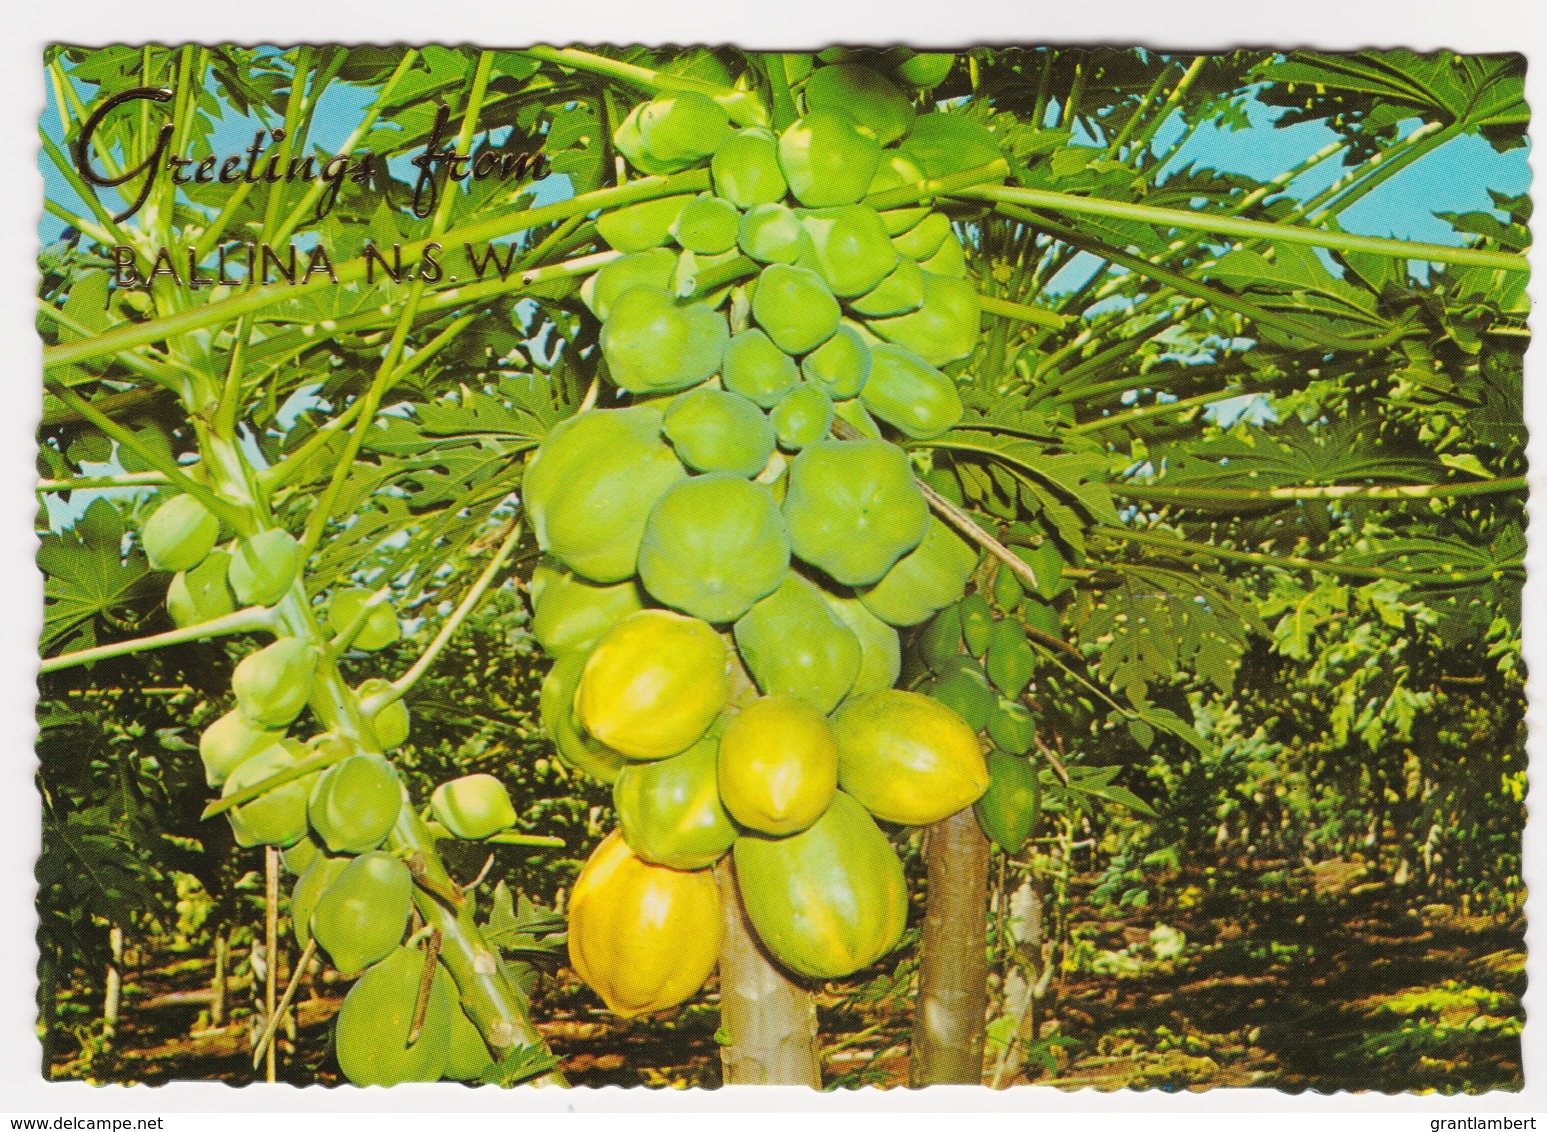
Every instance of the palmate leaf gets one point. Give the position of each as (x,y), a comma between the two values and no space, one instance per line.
(89,578)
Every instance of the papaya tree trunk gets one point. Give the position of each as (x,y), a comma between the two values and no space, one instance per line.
(770,1020)
(948,1034)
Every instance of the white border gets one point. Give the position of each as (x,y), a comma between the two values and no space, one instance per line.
(27,25)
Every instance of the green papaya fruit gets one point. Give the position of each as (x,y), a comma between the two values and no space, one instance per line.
(707,226)
(380,628)
(894,172)
(757,369)
(853,413)
(179,534)
(771,233)
(803,416)
(966,692)
(927,578)
(910,394)
(944,143)
(826,160)
(794,644)
(467,1058)
(871,99)
(925,69)
(570,613)
(277,817)
(263,567)
(940,641)
(746,169)
(900,292)
(829,900)
(388,723)
(320,873)
(473,807)
(1011,727)
(670,810)
(556,707)
(1007,589)
(945,329)
(273,684)
(355,803)
(1011,806)
(654,345)
(977,623)
(640,227)
(714,545)
(630,142)
(590,488)
(1038,614)
(840,366)
(795,308)
(299,857)
(924,238)
(853,508)
(656,268)
(850,249)
(361,916)
(201,594)
(949,260)
(880,649)
(682,126)
(374,1024)
(229,742)
(716,431)
(1010,661)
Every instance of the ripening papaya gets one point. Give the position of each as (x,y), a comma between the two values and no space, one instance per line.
(716,431)
(977,618)
(571,613)
(1011,806)
(179,534)
(795,308)
(655,268)
(778,765)
(840,366)
(853,508)
(670,811)
(944,143)
(900,292)
(895,171)
(640,227)
(757,369)
(473,807)
(467,1056)
(803,416)
(200,594)
(771,233)
(871,99)
(590,487)
(642,936)
(361,916)
(940,641)
(829,900)
(910,394)
(388,722)
(229,742)
(850,249)
(826,160)
(707,225)
(653,685)
(792,643)
(277,817)
(355,803)
(880,648)
(377,1017)
(964,689)
(945,329)
(929,577)
(746,169)
(273,684)
(1009,660)
(682,126)
(320,873)
(655,345)
(1012,727)
(907,758)
(263,567)
(380,627)
(556,708)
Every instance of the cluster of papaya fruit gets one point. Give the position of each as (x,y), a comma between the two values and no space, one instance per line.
(331,802)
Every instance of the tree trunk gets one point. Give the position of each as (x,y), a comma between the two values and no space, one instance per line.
(771,1020)
(952,1000)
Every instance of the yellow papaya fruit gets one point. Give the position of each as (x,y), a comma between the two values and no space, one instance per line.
(264,566)
(362,914)
(377,1017)
(778,765)
(654,684)
(229,742)
(557,710)
(355,803)
(179,534)
(642,936)
(277,817)
(907,758)
(473,807)
(273,684)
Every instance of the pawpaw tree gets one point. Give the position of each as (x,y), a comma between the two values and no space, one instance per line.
(786,409)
